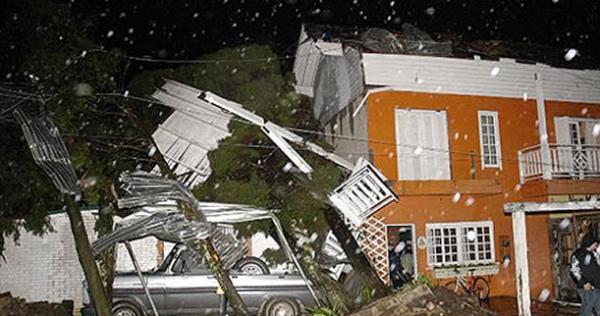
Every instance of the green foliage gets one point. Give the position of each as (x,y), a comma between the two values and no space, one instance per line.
(325,308)
(55,56)
(419,280)
(247,167)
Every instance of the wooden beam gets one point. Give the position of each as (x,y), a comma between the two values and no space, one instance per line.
(521,263)
(552,207)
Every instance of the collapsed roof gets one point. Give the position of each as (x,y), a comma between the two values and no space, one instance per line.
(411,40)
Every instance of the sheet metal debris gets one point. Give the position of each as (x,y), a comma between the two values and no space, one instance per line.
(187,135)
(49,151)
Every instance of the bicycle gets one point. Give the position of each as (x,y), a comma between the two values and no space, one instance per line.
(473,285)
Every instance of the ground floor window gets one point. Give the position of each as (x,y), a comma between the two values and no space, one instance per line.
(460,243)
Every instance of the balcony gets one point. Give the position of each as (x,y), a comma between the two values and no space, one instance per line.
(561,162)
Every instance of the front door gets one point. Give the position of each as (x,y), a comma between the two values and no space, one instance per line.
(402,253)
(565,235)
(563,244)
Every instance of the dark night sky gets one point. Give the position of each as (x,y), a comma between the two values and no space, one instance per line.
(187,29)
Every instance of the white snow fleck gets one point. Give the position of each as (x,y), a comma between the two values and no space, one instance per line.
(152,151)
(564,223)
(430,11)
(571,53)
(456,135)
(83,89)
(544,295)
(517,187)
(456,197)
(506,262)
(587,260)
(287,167)
(525,96)
(471,235)
(469,201)
(584,111)
(596,130)
(494,72)
(399,247)
(418,151)
(110,33)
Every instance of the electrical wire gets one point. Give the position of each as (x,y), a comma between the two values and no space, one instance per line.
(352,138)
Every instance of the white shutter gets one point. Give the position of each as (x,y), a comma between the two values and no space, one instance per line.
(590,139)
(565,154)
(429,131)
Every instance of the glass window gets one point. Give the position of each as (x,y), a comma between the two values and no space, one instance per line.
(460,243)
(489,139)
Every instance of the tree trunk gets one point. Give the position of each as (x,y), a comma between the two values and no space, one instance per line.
(357,257)
(204,247)
(336,296)
(86,258)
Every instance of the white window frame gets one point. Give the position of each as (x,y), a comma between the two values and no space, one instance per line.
(496,144)
(461,251)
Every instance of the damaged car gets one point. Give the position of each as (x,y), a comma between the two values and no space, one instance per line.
(182,286)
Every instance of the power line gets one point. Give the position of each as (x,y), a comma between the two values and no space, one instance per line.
(360,139)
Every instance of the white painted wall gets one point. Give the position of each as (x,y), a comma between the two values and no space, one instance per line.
(46,268)
(503,78)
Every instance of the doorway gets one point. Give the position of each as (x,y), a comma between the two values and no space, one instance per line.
(566,233)
(402,253)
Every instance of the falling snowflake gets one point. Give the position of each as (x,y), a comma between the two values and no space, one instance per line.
(571,53)
(110,33)
(456,197)
(418,151)
(544,295)
(494,72)
(564,223)
(596,130)
(471,235)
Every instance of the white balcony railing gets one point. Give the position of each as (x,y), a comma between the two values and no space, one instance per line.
(564,162)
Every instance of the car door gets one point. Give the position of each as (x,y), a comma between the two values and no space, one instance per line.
(191,289)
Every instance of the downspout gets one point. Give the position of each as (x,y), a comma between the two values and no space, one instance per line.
(541,114)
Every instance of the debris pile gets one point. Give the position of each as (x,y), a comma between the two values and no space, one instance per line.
(423,301)
(15,306)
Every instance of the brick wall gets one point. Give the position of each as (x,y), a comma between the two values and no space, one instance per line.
(41,268)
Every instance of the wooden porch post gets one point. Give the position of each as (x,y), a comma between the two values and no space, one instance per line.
(521,263)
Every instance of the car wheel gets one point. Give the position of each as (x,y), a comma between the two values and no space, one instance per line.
(126,309)
(252,265)
(282,307)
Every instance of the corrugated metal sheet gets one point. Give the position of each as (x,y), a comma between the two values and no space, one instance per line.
(338,82)
(308,57)
(504,78)
(186,137)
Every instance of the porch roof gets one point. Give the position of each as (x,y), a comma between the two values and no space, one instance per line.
(550,207)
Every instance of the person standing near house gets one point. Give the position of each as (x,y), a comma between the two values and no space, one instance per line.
(585,268)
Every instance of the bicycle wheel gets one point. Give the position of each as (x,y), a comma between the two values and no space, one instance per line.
(455,287)
(481,288)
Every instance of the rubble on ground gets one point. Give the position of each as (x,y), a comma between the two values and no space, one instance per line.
(15,306)
(423,301)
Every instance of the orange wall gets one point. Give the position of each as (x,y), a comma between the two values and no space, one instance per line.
(518,129)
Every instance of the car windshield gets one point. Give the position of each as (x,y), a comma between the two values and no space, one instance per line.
(165,264)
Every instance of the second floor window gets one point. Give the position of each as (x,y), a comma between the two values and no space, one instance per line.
(489,138)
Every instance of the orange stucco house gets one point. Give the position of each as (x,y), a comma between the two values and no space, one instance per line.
(462,140)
